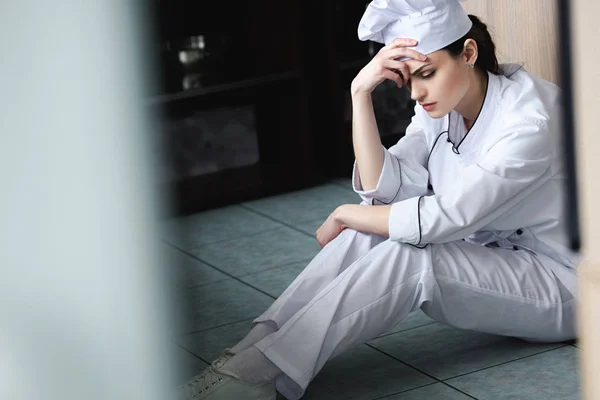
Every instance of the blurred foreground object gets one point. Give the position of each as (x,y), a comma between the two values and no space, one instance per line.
(83,310)
(586,85)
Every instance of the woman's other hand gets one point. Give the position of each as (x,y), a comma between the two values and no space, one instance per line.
(386,66)
(330,229)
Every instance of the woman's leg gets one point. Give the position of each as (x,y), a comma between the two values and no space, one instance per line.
(332,260)
(472,287)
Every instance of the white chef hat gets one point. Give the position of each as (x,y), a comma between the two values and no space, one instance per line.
(434,23)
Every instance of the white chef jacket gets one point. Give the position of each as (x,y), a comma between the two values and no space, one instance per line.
(501,183)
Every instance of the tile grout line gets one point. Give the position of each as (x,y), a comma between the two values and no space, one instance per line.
(224,240)
(278,221)
(307,261)
(256,212)
(228,274)
(458,390)
(186,252)
(191,255)
(423,386)
(189,351)
(457,376)
(217,326)
(420,371)
(506,362)
(403,362)
(252,318)
(405,391)
(405,330)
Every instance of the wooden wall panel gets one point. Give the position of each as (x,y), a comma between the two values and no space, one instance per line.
(523,30)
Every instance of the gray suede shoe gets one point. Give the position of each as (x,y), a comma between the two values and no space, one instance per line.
(218,363)
(219,384)
(225,355)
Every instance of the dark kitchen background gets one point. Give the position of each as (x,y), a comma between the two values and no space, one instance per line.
(254,96)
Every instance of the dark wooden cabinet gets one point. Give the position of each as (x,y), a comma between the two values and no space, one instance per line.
(289,64)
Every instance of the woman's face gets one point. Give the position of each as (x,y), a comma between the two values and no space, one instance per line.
(438,83)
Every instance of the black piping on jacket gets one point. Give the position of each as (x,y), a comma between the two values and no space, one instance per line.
(455,147)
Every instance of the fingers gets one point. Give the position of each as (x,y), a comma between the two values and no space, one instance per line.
(399,52)
(394,76)
(400,48)
(399,68)
(398,42)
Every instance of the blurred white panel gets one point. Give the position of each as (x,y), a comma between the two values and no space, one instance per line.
(83,308)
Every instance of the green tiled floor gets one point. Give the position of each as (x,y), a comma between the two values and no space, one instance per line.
(233,262)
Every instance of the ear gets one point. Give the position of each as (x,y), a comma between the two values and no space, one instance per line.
(470,51)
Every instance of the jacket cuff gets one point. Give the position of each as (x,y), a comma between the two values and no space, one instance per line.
(404,223)
(387,186)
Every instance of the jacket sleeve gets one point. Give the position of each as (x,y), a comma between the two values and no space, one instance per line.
(404,173)
(513,167)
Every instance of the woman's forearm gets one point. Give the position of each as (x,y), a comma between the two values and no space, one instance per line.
(368,219)
(366,141)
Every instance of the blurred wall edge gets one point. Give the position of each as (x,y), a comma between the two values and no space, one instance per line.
(83,313)
(586,59)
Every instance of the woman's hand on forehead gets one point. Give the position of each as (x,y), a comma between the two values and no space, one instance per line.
(386,65)
(401,46)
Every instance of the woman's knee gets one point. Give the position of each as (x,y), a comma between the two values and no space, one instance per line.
(396,262)
(356,240)
(363,236)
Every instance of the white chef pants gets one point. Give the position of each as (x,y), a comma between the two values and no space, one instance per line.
(362,285)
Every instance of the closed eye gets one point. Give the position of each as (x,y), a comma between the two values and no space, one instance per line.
(427,75)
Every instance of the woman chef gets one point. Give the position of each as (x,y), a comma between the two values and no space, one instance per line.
(462,218)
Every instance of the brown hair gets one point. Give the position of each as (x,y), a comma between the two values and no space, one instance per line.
(486,59)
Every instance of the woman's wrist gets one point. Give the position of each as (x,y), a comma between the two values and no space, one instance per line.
(339,215)
(357,92)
